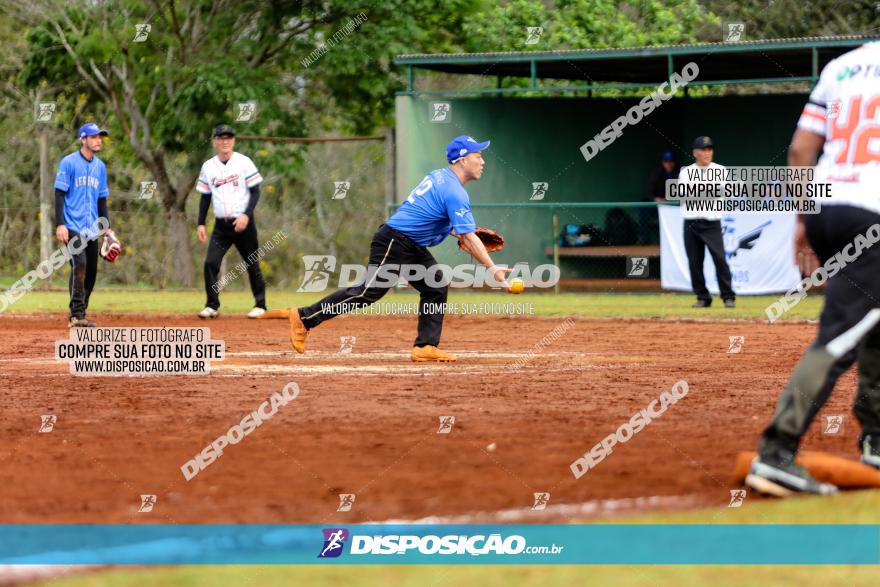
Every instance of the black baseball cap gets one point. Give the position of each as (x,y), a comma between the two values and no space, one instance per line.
(224,129)
(703,143)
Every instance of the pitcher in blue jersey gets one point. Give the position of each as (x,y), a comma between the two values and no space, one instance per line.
(437,207)
(80,199)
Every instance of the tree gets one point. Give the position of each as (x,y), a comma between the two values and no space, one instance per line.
(167,86)
(777,19)
(359,75)
(586,24)
(201,57)
(23,153)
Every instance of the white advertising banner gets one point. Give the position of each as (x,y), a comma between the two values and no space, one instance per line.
(758,248)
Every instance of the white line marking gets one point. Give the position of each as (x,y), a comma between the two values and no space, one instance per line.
(442,369)
(337,356)
(589,508)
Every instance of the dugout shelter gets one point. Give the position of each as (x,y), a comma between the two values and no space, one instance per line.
(539,107)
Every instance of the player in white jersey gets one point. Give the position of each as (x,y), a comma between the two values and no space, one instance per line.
(842,120)
(230,183)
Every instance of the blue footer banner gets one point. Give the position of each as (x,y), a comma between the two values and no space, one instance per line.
(440,544)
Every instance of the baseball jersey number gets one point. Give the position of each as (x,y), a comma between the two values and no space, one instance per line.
(860,132)
(420,190)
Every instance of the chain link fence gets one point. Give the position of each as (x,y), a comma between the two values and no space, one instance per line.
(328,199)
(598,246)
(325,198)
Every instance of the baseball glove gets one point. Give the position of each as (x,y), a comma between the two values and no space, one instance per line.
(111,248)
(492,240)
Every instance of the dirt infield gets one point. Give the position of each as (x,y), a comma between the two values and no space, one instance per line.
(366,423)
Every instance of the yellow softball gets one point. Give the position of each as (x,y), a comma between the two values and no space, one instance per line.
(517,286)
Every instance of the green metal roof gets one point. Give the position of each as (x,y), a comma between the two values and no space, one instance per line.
(772,60)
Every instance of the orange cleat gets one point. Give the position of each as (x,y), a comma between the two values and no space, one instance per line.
(298,331)
(431,354)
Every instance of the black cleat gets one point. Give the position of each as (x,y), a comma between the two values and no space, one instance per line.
(729,303)
(870,451)
(701,304)
(780,476)
(80,323)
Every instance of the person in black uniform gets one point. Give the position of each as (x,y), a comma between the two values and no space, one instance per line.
(648,220)
(702,230)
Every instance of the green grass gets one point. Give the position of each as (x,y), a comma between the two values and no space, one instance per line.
(483,576)
(544,304)
(850,507)
(861,507)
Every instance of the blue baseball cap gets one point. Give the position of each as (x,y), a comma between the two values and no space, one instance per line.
(668,156)
(462,146)
(91,129)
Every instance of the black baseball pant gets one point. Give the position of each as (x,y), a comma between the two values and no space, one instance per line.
(700,235)
(389,247)
(849,328)
(222,237)
(83,273)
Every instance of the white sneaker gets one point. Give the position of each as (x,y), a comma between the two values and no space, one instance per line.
(208,313)
(256,313)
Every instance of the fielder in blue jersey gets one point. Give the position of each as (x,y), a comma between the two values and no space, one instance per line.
(437,207)
(80,199)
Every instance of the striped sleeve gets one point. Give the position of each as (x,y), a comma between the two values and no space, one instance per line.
(202,185)
(813,118)
(252,177)
(814,115)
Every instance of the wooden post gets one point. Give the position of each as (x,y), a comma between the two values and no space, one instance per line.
(390,167)
(47,214)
